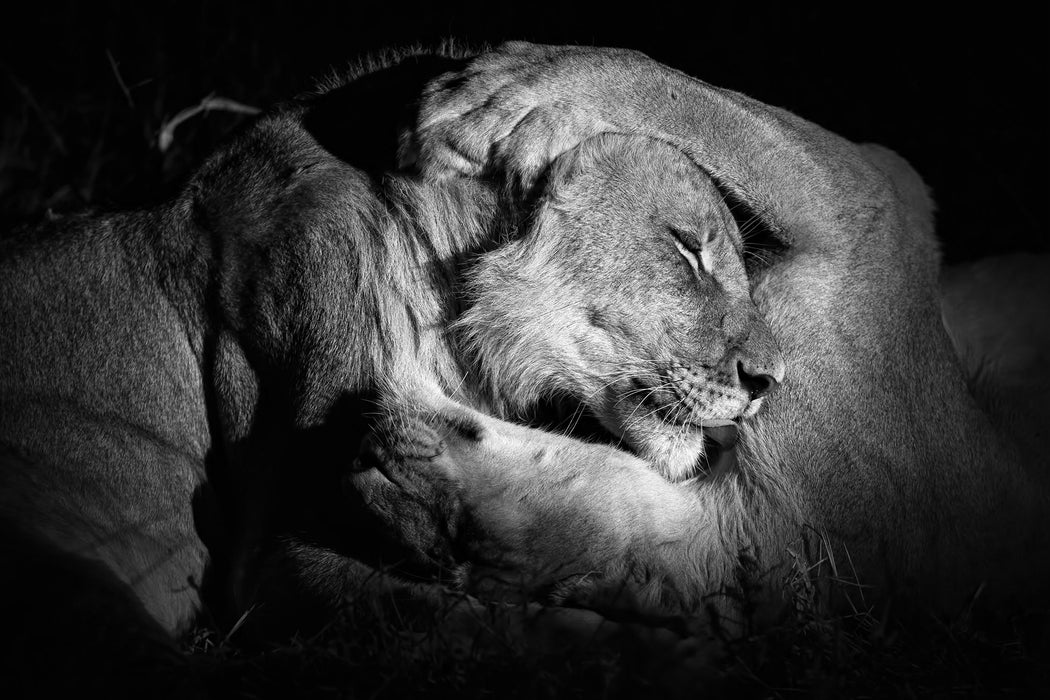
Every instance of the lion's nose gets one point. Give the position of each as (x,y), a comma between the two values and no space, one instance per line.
(758,384)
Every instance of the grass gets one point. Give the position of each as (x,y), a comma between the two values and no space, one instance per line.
(375,649)
(61,157)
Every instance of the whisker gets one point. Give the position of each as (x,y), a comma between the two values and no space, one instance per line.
(627,421)
(651,391)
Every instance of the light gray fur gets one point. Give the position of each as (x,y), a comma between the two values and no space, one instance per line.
(873,452)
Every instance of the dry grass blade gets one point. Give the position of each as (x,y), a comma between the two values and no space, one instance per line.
(211,103)
(120,79)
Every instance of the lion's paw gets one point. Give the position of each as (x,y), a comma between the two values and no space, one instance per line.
(406,480)
(399,439)
(514,110)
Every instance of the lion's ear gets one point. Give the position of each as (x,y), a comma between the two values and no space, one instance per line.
(551,182)
(570,175)
(528,211)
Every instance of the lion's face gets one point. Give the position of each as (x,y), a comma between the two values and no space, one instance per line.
(629,292)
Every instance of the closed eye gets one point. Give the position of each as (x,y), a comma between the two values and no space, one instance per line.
(690,256)
(697,259)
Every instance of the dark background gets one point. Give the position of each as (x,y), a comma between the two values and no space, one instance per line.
(962,95)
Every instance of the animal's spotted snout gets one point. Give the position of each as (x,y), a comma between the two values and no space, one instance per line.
(703,393)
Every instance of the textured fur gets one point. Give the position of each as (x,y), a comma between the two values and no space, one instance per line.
(873,456)
(181,387)
(600,303)
(172,381)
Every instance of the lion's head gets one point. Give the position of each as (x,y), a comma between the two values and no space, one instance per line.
(628,293)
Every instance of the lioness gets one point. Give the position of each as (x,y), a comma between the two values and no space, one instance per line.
(173,380)
(873,455)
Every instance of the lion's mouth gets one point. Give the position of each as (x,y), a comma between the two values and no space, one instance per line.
(720,436)
(571,418)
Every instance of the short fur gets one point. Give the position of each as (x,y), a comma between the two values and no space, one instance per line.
(873,456)
(176,382)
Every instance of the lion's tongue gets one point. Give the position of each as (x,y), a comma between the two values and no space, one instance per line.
(724,435)
(720,439)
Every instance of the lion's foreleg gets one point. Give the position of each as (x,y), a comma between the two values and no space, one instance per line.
(535,512)
(517,108)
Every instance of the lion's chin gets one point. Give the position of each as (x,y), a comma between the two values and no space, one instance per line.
(701,453)
(677,452)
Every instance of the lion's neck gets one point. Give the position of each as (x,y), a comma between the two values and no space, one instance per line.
(438,228)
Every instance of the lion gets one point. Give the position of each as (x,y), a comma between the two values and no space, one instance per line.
(873,459)
(181,386)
